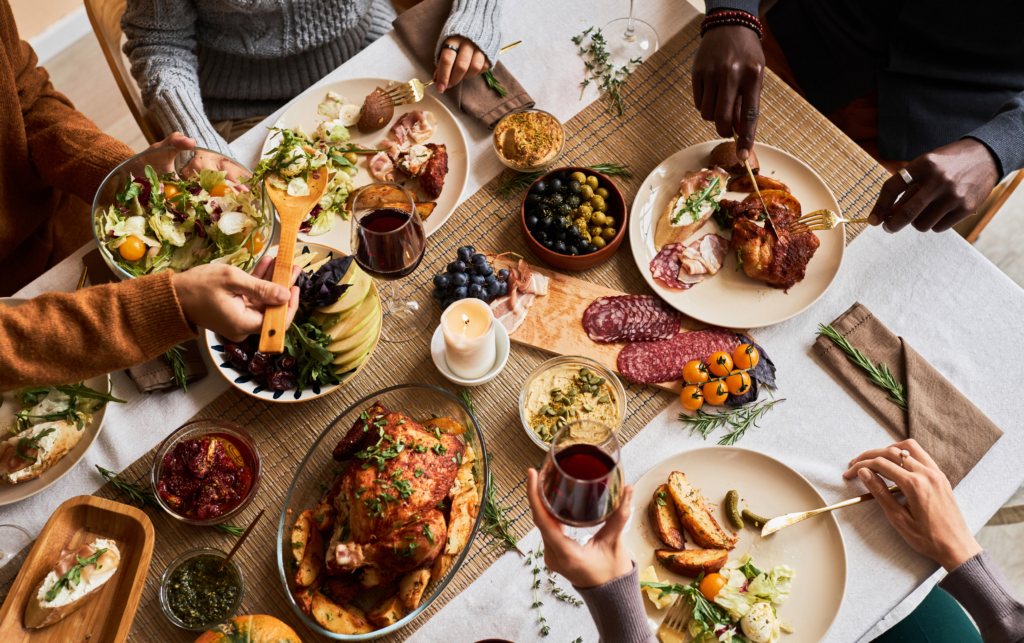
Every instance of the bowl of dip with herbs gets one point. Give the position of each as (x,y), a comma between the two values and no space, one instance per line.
(565,389)
(194,595)
(527,140)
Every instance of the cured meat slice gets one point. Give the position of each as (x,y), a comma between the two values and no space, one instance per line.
(632,318)
(713,249)
(665,267)
(656,362)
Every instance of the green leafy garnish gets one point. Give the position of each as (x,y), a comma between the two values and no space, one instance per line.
(696,202)
(492,83)
(879,375)
(739,420)
(177,364)
(73,575)
(138,495)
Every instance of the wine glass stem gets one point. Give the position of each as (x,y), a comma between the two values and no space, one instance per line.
(394,305)
(629,36)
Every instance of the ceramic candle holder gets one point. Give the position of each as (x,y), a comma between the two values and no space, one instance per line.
(468,328)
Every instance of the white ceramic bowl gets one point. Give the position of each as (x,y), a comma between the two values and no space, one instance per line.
(502,347)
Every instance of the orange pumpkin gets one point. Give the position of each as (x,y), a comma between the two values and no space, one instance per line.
(258,628)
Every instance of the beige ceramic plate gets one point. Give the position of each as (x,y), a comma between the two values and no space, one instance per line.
(11,493)
(814,548)
(304,112)
(730,298)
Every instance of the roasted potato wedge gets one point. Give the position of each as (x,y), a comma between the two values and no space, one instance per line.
(324,515)
(312,563)
(387,612)
(724,156)
(304,595)
(340,620)
(691,562)
(778,197)
(695,516)
(446,425)
(412,586)
(341,589)
(442,564)
(742,183)
(665,519)
(423,208)
(300,534)
(461,526)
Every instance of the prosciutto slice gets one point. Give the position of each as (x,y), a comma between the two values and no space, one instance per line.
(523,287)
(413,127)
(382,167)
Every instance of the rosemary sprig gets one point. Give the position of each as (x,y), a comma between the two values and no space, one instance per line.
(492,83)
(739,420)
(231,530)
(138,495)
(879,376)
(610,78)
(177,363)
(467,399)
(496,523)
(544,629)
(519,181)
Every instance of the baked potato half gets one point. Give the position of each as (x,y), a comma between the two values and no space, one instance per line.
(665,519)
(691,562)
(387,612)
(340,620)
(412,586)
(695,516)
(312,563)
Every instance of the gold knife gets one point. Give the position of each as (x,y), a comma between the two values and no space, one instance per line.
(750,173)
(776,524)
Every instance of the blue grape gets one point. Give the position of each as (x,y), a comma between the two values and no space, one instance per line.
(475,290)
(441,280)
(460,279)
(459,293)
(456,267)
(477,279)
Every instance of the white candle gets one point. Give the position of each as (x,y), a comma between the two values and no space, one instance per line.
(468,327)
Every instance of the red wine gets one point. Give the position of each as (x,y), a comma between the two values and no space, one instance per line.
(580,490)
(386,247)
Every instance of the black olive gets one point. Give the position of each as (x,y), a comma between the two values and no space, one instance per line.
(540,187)
(565,210)
(544,224)
(574,187)
(555,185)
(559,237)
(572,251)
(532,198)
(549,244)
(573,200)
(560,247)
(565,177)
(541,236)
(592,248)
(531,222)
(555,200)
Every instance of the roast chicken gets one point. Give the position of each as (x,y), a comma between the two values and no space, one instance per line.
(780,262)
(387,521)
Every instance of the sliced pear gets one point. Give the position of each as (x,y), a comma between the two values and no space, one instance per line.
(353,365)
(366,328)
(353,296)
(355,321)
(343,361)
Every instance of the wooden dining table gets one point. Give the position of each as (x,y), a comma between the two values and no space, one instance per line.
(957,309)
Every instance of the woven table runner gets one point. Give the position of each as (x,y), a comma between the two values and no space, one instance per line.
(659,120)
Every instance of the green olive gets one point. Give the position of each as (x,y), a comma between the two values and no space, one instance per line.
(586,192)
(601,192)
(579,177)
(609,233)
(609,221)
(602,208)
(585,210)
(592,182)
(596,202)
(595,231)
(599,242)
(598,219)
(351,171)
(351,157)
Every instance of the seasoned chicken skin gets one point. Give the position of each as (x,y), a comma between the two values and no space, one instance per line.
(778,262)
(432,176)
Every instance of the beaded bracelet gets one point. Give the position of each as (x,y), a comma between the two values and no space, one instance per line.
(732,18)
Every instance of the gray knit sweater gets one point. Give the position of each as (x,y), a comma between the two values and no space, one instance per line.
(202,60)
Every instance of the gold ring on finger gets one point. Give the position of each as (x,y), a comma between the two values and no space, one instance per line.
(903,457)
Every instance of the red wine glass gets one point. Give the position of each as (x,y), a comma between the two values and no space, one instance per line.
(582,479)
(388,242)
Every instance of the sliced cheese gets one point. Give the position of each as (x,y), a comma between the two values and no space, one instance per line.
(354,295)
(649,575)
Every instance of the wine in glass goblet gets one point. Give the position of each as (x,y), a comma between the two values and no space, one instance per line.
(388,242)
(628,40)
(582,478)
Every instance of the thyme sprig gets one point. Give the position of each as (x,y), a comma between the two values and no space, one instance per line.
(138,495)
(492,83)
(560,594)
(231,530)
(739,420)
(878,375)
(519,181)
(177,363)
(544,629)
(610,77)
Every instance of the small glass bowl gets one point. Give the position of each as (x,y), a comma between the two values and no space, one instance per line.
(578,362)
(519,167)
(195,430)
(177,562)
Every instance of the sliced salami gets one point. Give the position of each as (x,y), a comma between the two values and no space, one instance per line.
(632,318)
(665,267)
(656,362)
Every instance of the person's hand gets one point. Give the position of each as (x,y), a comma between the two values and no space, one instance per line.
(453,69)
(949,185)
(176,140)
(604,558)
(930,520)
(229,302)
(727,76)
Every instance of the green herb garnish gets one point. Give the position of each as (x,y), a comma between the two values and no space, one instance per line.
(177,364)
(73,575)
(696,201)
(706,614)
(231,530)
(519,181)
(610,78)
(739,420)
(138,495)
(492,83)
(879,375)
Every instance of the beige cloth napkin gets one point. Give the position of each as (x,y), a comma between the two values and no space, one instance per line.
(945,423)
(156,374)
(420,27)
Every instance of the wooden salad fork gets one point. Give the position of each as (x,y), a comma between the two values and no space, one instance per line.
(777,524)
(820,220)
(673,628)
(291,210)
(414,90)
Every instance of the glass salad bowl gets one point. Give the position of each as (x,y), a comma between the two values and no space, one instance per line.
(317,473)
(203,213)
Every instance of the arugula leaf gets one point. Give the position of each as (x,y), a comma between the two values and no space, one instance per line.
(73,575)
(130,191)
(749,570)
(696,201)
(706,614)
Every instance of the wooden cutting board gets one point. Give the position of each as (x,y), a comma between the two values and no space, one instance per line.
(555,324)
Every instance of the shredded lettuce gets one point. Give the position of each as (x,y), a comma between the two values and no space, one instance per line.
(192,253)
(235,222)
(236,258)
(742,592)
(209,179)
(298,187)
(166,228)
(321,223)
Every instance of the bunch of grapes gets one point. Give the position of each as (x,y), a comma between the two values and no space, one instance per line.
(469,276)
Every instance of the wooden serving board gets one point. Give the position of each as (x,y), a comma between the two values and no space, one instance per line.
(555,322)
(108,616)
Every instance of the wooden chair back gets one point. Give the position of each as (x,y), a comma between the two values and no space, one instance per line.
(105,16)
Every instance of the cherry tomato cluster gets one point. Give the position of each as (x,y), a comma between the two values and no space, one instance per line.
(712,382)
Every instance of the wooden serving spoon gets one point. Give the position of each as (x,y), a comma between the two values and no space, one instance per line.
(292,210)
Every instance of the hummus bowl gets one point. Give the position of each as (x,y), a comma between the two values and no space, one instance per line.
(568,388)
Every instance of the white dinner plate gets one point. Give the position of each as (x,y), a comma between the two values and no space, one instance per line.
(814,548)
(304,112)
(11,493)
(730,298)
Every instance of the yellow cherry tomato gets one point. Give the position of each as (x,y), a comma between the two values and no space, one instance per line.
(256,244)
(695,372)
(715,392)
(745,356)
(132,249)
(171,191)
(691,399)
(221,190)
(738,383)
(720,364)
(711,585)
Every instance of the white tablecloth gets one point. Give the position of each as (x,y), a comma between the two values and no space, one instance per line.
(936,291)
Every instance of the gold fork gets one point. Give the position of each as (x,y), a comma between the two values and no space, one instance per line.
(413,91)
(820,220)
(673,628)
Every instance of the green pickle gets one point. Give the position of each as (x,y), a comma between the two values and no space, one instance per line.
(754,519)
(732,509)
(198,595)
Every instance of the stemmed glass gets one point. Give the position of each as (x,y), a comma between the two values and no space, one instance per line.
(582,479)
(388,243)
(629,39)
(12,540)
